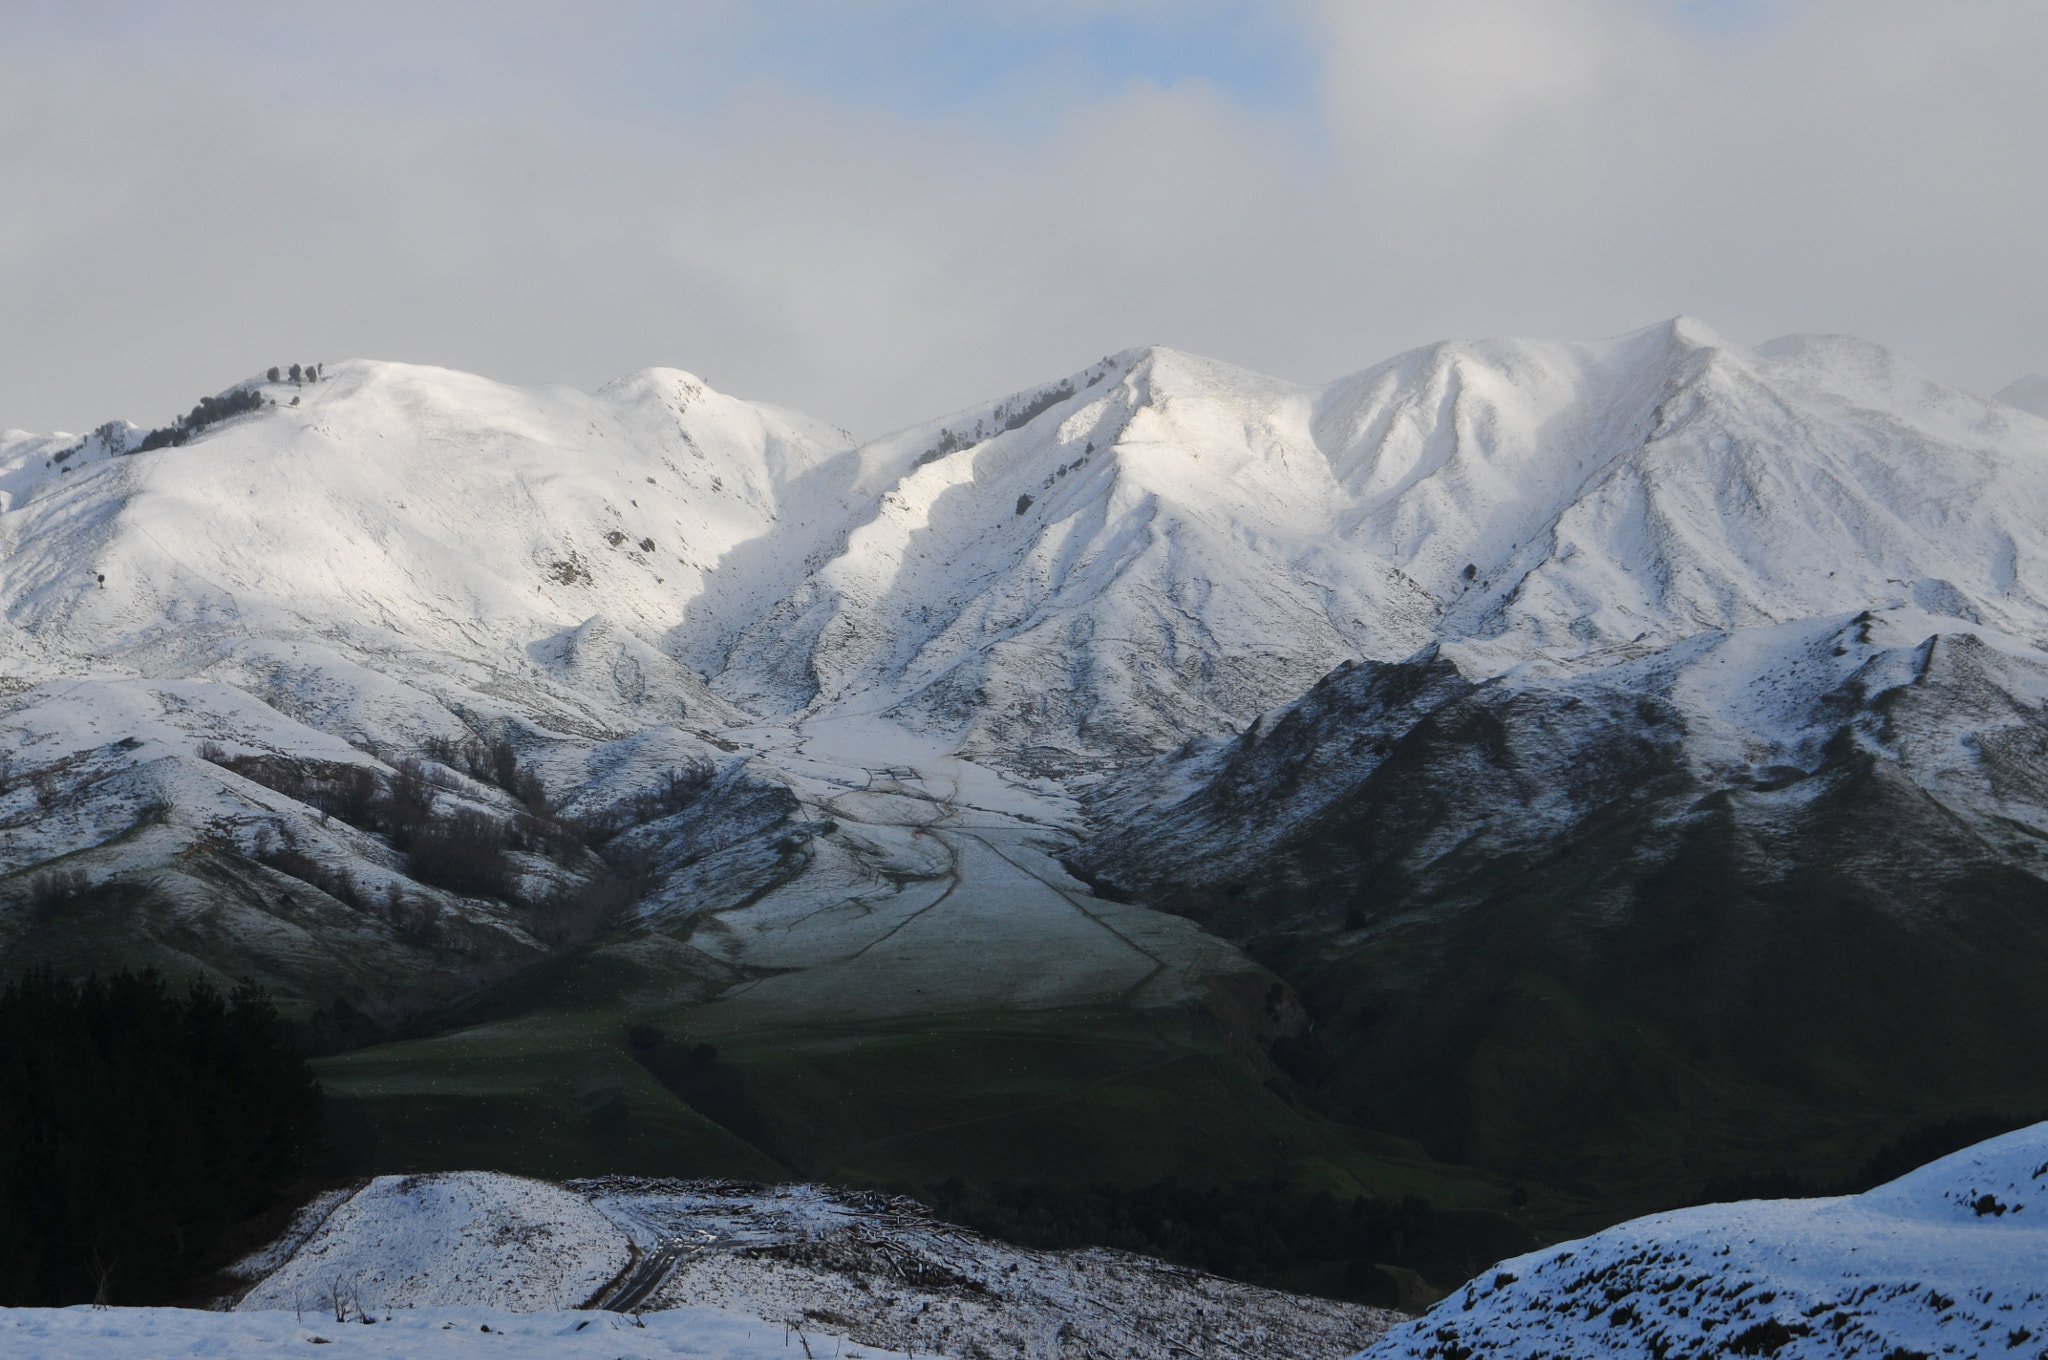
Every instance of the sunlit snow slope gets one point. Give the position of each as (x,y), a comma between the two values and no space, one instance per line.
(1170,545)
(411,510)
(1156,547)
(323,586)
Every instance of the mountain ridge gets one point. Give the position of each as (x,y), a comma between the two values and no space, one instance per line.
(761,729)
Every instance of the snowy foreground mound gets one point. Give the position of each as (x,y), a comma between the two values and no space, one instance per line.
(420,1334)
(839,1269)
(1950,1260)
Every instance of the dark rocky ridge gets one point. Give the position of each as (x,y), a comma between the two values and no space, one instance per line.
(1546,928)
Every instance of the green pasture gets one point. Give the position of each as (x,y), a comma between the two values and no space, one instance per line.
(1080,1096)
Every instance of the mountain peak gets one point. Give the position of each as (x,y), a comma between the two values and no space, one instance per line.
(1526,501)
(1693,331)
(2029,394)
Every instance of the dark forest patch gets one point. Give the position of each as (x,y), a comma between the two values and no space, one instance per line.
(138,1127)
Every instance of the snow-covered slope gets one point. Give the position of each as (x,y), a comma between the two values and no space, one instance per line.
(1954,707)
(1156,547)
(1162,545)
(322,588)
(851,1268)
(1944,1261)
(461,1238)
(423,508)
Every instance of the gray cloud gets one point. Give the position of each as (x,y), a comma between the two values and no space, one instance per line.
(504,190)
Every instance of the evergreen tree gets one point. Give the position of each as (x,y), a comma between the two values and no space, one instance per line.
(136,1127)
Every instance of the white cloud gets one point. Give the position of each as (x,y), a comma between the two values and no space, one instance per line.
(1457,77)
(178,213)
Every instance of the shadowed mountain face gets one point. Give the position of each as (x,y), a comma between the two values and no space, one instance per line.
(1583,931)
(1670,801)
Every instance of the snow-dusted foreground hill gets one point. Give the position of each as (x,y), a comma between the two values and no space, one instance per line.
(1948,1260)
(840,1269)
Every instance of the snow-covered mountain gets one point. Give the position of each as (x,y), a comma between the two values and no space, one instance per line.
(383,685)
(1157,547)
(1782,875)
(1162,546)
(410,511)
(338,579)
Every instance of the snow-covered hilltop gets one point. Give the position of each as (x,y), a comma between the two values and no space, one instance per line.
(1945,1261)
(401,508)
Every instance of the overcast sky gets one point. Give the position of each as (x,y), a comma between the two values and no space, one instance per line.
(879,211)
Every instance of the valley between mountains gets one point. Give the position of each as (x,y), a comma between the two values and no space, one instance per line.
(1544,778)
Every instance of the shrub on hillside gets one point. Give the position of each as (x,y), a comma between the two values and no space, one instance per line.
(408,803)
(210,410)
(492,762)
(291,860)
(585,910)
(349,792)
(51,890)
(461,849)
(463,852)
